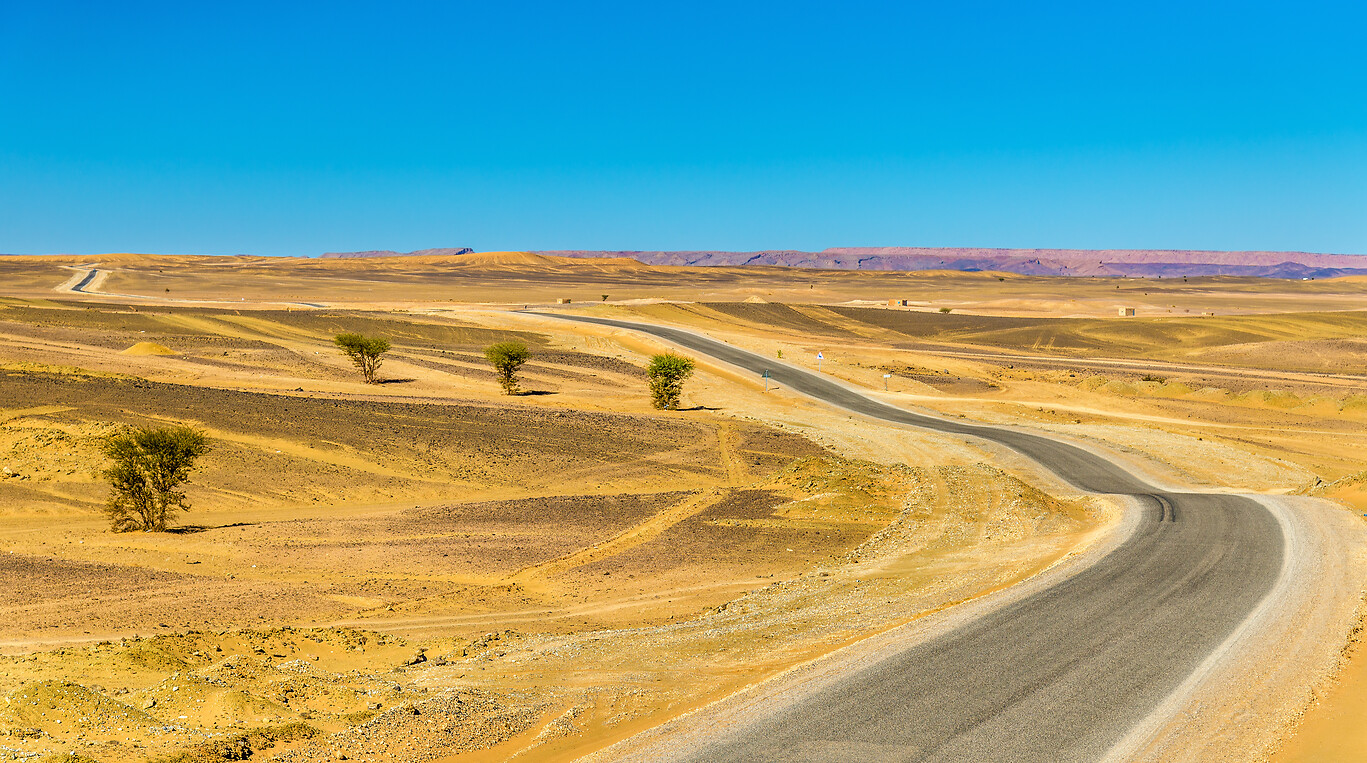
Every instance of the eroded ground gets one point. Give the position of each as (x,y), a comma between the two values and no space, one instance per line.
(424,568)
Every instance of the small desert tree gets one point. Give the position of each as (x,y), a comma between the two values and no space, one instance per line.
(507,358)
(364,351)
(667,374)
(149,465)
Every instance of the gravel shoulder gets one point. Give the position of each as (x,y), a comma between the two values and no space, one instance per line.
(1255,687)
(683,736)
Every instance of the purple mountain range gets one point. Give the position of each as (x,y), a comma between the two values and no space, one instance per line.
(1063,262)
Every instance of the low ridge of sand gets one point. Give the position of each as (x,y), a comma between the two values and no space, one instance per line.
(148,348)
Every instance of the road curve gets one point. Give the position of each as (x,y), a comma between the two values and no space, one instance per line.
(1060,675)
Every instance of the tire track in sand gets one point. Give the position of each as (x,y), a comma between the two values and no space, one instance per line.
(632,537)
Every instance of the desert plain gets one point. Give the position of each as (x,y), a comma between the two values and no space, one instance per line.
(427,569)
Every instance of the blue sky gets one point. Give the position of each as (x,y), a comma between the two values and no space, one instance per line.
(267,128)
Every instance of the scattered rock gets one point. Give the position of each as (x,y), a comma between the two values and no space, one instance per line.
(418,656)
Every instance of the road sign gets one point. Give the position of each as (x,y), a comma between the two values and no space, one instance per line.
(766,379)
(819,357)
(885,381)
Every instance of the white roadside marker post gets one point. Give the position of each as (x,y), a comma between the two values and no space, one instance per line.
(819,357)
(885,381)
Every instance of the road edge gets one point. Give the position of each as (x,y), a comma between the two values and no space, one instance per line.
(685,734)
(1250,692)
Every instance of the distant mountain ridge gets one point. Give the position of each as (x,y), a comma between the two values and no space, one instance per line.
(1061,262)
(1134,263)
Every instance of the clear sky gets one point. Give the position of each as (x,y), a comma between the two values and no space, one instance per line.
(270,128)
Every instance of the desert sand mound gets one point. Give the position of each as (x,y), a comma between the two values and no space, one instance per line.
(503,258)
(148,348)
(757,300)
(520,261)
(531,259)
(45,705)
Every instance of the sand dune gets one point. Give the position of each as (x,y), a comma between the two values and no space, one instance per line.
(532,260)
(148,348)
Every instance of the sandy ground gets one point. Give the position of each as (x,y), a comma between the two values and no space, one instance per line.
(656,518)
(511,277)
(692,730)
(340,528)
(1247,694)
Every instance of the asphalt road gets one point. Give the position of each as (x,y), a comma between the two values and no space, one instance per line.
(89,276)
(1058,676)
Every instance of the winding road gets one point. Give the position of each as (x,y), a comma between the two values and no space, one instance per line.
(1060,675)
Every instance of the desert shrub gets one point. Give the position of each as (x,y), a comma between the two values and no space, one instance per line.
(150,464)
(507,358)
(946,310)
(364,351)
(1153,378)
(667,373)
